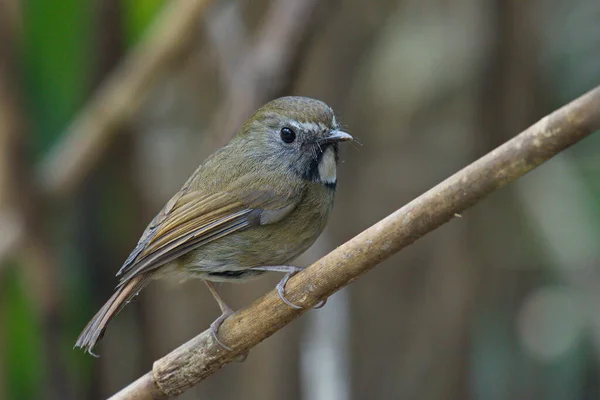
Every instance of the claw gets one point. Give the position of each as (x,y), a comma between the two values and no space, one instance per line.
(214,329)
(281,291)
(290,271)
(320,304)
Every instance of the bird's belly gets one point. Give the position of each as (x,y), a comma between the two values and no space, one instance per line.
(231,259)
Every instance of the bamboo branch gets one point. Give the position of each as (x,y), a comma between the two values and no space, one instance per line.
(200,357)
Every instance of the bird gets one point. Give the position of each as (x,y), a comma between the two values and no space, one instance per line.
(253,206)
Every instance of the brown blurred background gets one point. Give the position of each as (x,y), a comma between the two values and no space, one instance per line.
(499,304)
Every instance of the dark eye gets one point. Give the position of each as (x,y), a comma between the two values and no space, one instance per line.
(287,135)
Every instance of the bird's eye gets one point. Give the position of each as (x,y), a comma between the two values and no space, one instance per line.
(287,135)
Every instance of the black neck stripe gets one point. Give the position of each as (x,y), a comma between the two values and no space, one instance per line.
(330,185)
(312,171)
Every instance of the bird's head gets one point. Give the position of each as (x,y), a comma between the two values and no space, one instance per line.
(298,134)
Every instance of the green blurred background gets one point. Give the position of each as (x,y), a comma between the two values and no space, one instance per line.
(500,304)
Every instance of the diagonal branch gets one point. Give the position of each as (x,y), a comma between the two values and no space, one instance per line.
(200,357)
(120,96)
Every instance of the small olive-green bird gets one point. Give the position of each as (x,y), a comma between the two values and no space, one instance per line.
(253,206)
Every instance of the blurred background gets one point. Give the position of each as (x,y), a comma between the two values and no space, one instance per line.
(107,106)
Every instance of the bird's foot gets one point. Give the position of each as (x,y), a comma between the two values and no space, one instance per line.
(214,327)
(290,271)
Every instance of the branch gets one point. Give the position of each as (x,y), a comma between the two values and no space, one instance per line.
(85,140)
(200,357)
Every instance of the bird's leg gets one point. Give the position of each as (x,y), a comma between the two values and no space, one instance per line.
(226,312)
(289,271)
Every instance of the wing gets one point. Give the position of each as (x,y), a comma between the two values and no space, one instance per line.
(192,219)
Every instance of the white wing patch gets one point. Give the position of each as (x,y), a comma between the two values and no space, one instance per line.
(327,167)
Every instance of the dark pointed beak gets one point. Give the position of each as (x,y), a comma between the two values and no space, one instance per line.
(335,137)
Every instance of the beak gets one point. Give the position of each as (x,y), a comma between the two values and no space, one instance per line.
(335,137)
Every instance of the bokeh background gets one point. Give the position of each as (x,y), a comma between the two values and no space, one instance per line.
(502,303)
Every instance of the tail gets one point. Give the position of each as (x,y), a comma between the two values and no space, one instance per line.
(94,330)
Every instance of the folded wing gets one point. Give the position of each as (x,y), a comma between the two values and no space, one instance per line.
(192,219)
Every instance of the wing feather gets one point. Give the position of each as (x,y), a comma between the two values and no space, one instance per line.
(181,246)
(192,219)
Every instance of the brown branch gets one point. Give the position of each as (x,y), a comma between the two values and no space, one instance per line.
(117,100)
(200,357)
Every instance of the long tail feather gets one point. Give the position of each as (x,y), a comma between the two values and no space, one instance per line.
(94,330)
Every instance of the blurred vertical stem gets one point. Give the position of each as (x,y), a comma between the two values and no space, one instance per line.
(38,267)
(12,373)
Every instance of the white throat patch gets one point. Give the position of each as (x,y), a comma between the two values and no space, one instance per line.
(327,167)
